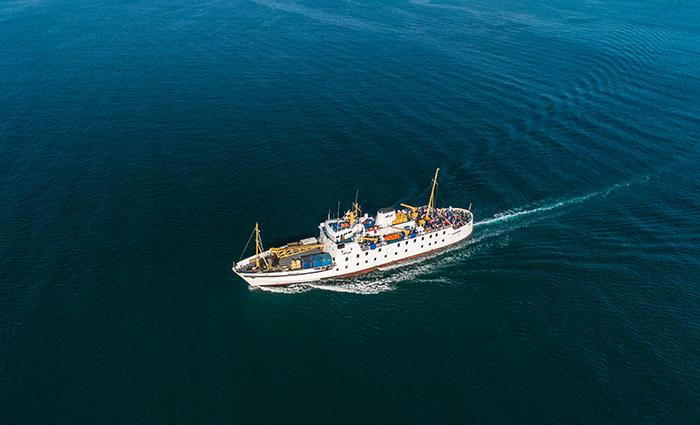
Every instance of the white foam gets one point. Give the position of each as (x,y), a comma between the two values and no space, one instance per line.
(286,289)
(353,286)
(366,287)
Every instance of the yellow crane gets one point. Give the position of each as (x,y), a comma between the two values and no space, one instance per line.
(413,214)
(288,250)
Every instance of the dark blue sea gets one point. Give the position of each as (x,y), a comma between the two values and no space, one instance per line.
(140,142)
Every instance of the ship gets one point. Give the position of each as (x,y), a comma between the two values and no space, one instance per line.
(354,244)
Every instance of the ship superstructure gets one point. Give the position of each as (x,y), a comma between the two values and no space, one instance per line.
(355,244)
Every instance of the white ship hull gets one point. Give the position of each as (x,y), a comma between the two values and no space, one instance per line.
(351,254)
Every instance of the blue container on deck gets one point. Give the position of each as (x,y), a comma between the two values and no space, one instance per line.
(373,246)
(307,262)
(319,260)
(325,259)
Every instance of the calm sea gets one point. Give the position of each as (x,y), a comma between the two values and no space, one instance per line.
(140,142)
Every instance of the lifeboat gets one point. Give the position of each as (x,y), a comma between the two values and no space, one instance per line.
(392,237)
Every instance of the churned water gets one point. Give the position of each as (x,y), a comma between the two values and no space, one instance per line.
(140,142)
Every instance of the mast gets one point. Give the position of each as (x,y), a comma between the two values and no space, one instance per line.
(431,204)
(352,215)
(259,248)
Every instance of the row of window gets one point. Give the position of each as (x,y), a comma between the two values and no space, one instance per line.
(385,255)
(396,253)
(399,244)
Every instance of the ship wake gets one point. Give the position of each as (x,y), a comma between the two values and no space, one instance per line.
(536,213)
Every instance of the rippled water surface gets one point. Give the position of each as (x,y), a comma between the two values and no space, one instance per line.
(140,142)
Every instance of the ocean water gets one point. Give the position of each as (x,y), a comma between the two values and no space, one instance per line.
(140,142)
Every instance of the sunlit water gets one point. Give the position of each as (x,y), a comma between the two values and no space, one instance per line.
(140,142)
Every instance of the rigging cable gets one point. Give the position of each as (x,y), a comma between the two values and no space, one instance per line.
(246,246)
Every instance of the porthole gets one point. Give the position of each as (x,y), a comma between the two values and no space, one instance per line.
(358,255)
(346,258)
(406,250)
(423,238)
(366,253)
(346,267)
(398,244)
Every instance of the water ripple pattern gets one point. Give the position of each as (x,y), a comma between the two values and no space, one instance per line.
(141,142)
